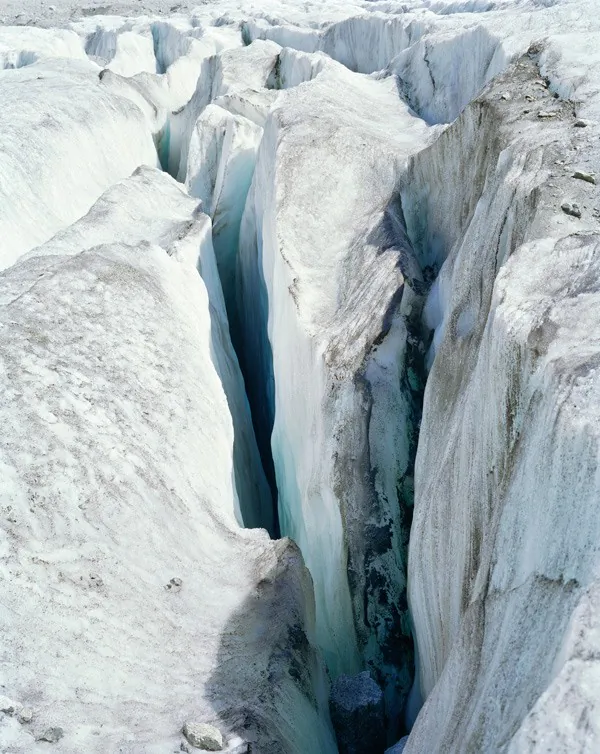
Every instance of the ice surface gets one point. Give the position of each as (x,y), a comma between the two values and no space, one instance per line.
(118,467)
(504,494)
(61,146)
(220,166)
(229,72)
(354,175)
(328,330)
(20,47)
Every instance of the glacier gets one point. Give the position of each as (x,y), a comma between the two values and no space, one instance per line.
(298,336)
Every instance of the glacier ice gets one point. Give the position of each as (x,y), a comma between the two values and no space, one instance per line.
(225,73)
(368,194)
(220,166)
(56,160)
(513,384)
(324,351)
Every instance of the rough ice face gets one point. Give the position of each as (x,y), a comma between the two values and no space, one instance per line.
(504,495)
(132,599)
(228,72)
(346,223)
(325,284)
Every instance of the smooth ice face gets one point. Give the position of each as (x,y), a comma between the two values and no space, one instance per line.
(124,569)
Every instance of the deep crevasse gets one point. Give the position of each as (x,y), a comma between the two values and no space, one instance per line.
(331,293)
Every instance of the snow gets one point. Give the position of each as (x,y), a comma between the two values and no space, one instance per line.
(362,193)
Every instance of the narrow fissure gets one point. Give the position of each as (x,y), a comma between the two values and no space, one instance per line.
(415,232)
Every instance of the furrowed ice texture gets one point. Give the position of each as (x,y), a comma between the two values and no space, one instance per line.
(132,601)
(328,289)
(503,568)
(128,458)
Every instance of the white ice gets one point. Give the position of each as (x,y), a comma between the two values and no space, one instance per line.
(346,157)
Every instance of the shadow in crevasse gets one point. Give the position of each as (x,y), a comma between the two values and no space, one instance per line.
(268,687)
(250,338)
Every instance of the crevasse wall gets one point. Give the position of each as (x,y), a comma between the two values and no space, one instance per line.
(503,559)
(325,351)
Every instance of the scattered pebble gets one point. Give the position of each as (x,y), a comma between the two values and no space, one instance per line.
(25,715)
(203,736)
(174,585)
(547,114)
(584,176)
(571,209)
(505,96)
(52,735)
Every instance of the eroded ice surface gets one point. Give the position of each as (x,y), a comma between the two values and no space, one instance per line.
(368,215)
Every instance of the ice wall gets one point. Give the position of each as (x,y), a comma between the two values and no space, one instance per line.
(503,555)
(327,285)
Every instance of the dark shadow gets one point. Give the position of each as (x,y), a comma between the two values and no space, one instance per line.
(268,686)
(250,338)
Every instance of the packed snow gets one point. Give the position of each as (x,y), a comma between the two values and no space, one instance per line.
(328,271)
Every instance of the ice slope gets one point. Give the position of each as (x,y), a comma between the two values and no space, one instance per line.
(117,460)
(151,206)
(503,566)
(503,555)
(325,280)
(162,58)
(64,139)
(20,47)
